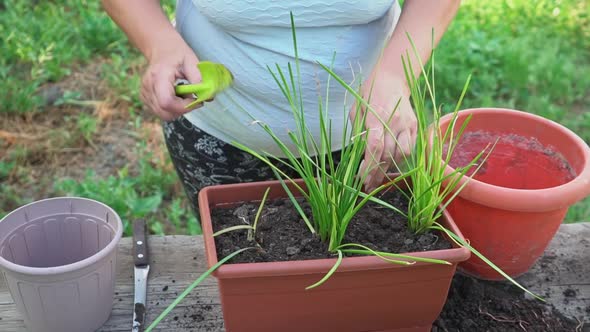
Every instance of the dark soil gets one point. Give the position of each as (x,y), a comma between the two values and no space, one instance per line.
(477,305)
(199,315)
(282,235)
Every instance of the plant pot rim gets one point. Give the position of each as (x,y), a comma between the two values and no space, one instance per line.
(527,200)
(300,267)
(67,268)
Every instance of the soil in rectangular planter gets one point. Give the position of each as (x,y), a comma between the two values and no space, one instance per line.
(282,234)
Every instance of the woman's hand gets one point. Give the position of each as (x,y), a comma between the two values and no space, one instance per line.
(172,61)
(422,20)
(391,126)
(169,57)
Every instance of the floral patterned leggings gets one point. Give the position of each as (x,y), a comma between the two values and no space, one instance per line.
(202,160)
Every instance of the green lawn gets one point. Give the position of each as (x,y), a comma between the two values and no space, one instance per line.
(528,55)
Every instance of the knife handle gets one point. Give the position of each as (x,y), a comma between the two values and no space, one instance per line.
(140,249)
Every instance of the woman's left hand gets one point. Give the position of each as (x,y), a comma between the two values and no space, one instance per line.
(391,126)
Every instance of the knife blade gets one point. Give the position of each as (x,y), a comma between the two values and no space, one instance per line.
(141,270)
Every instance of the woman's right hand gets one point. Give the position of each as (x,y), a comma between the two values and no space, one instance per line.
(169,57)
(169,62)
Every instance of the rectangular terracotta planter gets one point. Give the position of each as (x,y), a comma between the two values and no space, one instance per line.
(365,294)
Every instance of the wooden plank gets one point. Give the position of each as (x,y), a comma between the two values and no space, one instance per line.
(178,260)
(175,262)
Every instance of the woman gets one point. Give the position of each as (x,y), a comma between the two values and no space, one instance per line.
(368,39)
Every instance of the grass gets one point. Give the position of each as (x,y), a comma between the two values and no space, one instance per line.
(74,48)
(48,47)
(45,41)
(528,55)
(135,197)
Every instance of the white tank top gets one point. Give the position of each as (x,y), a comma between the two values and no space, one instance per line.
(249,35)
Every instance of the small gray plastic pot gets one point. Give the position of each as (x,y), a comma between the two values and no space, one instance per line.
(58,257)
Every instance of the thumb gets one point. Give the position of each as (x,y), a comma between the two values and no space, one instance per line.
(190,70)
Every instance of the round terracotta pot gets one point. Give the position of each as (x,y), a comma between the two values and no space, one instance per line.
(512,211)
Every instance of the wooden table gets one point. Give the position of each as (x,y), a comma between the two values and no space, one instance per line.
(563,273)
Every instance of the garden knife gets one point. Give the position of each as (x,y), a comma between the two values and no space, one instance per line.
(141,269)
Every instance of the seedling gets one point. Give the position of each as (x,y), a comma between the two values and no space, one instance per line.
(426,195)
(251,228)
(333,190)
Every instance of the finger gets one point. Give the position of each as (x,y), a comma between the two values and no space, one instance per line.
(163,115)
(144,98)
(373,153)
(189,69)
(166,99)
(352,114)
(193,107)
(146,91)
(385,162)
(386,158)
(390,143)
(361,170)
(355,110)
(167,116)
(379,176)
(147,97)
(404,146)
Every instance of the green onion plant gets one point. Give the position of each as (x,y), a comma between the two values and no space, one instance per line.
(432,153)
(251,228)
(333,190)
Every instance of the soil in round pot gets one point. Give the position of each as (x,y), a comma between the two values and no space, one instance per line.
(516,162)
(513,207)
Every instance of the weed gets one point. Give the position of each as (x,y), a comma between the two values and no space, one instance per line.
(87,125)
(122,74)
